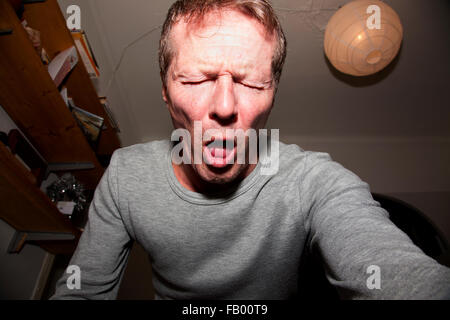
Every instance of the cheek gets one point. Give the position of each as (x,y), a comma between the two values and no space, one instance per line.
(188,105)
(254,107)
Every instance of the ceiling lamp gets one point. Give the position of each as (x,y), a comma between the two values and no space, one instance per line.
(363,37)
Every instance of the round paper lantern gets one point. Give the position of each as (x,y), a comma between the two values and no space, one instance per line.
(363,37)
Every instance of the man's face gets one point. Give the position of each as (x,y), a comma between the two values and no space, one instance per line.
(220,75)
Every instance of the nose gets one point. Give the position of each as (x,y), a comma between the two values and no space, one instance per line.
(223,108)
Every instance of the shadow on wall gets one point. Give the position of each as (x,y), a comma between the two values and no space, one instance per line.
(137,280)
(366,81)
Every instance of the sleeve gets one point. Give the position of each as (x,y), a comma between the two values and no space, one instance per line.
(365,256)
(103,248)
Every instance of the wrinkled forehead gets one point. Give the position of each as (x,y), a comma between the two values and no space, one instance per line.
(222,30)
(217,18)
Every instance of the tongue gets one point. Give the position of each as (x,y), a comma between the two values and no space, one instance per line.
(219,152)
(218,148)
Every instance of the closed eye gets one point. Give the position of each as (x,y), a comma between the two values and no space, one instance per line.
(259,88)
(194,82)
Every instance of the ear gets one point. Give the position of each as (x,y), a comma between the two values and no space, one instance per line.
(164,94)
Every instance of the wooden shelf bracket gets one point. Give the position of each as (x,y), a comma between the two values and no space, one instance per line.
(20,238)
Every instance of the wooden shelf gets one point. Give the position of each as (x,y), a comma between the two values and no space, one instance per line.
(31,99)
(24,206)
(48,19)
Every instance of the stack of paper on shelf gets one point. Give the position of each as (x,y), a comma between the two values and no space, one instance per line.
(62,64)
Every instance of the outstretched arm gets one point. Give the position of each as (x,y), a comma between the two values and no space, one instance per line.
(357,242)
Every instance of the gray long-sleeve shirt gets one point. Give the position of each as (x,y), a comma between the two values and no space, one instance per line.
(246,243)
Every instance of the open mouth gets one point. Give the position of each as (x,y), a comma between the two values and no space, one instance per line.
(219,153)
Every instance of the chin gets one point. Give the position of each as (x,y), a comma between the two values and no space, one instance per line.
(220,176)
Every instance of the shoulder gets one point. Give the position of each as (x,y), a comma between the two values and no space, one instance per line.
(295,158)
(292,155)
(141,154)
(313,168)
(140,159)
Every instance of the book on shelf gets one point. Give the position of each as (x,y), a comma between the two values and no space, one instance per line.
(109,113)
(62,64)
(91,124)
(86,53)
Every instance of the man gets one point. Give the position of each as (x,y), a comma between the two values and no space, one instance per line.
(218,228)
